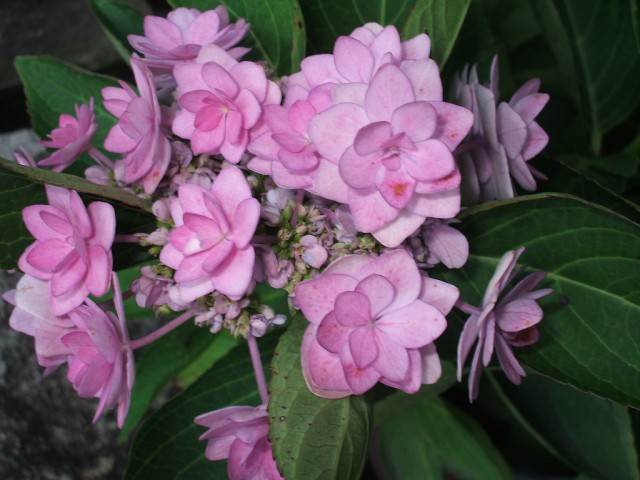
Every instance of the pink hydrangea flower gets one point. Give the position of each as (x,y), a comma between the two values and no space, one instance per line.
(503,138)
(366,126)
(221,102)
(72,251)
(101,362)
(138,133)
(72,137)
(501,324)
(372,319)
(180,36)
(210,247)
(32,315)
(239,434)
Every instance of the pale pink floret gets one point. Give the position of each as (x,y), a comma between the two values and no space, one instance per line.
(239,434)
(32,315)
(501,324)
(210,247)
(101,362)
(180,36)
(72,137)
(221,103)
(138,135)
(394,152)
(72,251)
(372,319)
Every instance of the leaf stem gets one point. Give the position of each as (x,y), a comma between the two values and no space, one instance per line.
(258,368)
(166,328)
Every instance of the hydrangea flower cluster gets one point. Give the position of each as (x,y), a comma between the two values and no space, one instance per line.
(339,183)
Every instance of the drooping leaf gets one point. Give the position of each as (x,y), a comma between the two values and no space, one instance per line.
(277,32)
(429,439)
(79,184)
(118,19)
(582,38)
(313,437)
(329,19)
(592,434)
(591,330)
(16,192)
(167,445)
(65,86)
(441,20)
(161,361)
(564,177)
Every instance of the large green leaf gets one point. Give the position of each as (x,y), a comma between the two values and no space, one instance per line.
(118,19)
(329,19)
(592,434)
(167,445)
(442,21)
(583,37)
(53,88)
(564,177)
(313,437)
(277,32)
(16,192)
(424,437)
(590,335)
(164,359)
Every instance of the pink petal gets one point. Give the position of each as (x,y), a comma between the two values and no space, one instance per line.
(389,89)
(425,79)
(393,359)
(353,60)
(414,325)
(316,297)
(231,189)
(379,291)
(399,229)
(512,130)
(233,276)
(217,78)
(440,294)
(416,119)
(436,205)
(396,187)
(359,171)
(447,245)
(518,315)
(334,130)
(103,220)
(363,346)
(46,222)
(359,380)
(431,366)
(371,138)
(400,269)
(352,309)
(370,210)
(98,277)
(245,221)
(322,370)
(453,123)
(331,334)
(327,182)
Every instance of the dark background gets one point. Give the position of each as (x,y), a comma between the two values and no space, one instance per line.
(45,428)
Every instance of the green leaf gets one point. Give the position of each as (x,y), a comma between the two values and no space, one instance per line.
(167,445)
(635,20)
(80,185)
(442,21)
(612,172)
(276,298)
(53,88)
(277,32)
(16,192)
(329,19)
(564,177)
(163,360)
(118,19)
(582,39)
(560,414)
(431,439)
(590,335)
(313,437)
